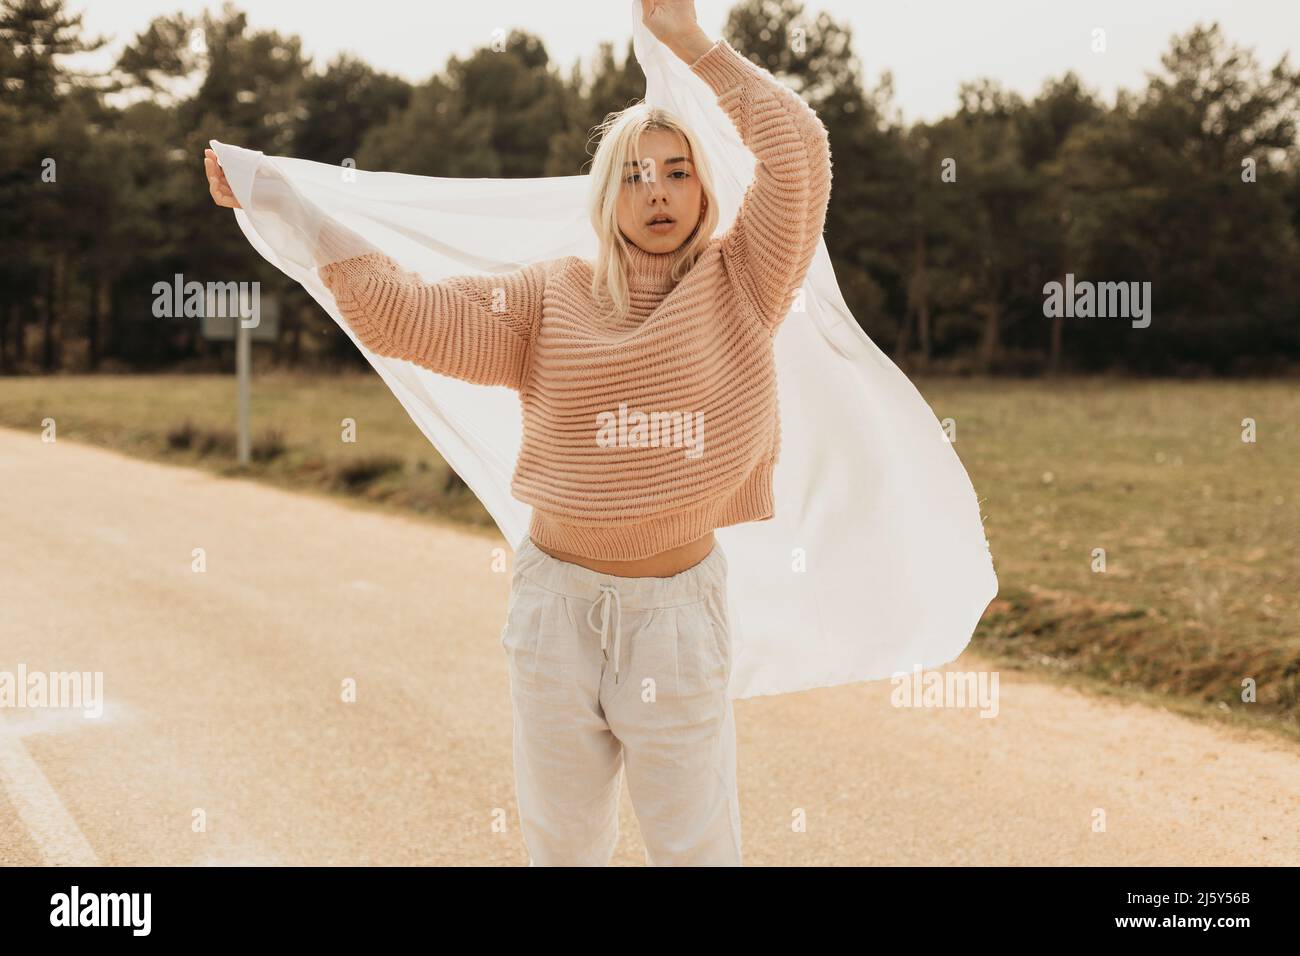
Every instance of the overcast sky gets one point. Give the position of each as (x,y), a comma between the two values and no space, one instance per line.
(930,46)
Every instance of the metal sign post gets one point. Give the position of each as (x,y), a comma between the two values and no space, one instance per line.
(242,361)
(219,327)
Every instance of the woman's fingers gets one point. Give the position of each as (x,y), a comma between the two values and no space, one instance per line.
(214,178)
(218,186)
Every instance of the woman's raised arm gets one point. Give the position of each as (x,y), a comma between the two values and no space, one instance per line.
(478,328)
(771,244)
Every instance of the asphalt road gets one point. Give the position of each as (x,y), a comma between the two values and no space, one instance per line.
(226,737)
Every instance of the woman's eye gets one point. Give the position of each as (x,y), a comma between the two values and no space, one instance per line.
(679,174)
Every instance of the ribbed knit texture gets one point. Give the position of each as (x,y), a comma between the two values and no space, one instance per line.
(704,350)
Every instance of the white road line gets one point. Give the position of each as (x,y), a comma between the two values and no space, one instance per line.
(57,835)
(52,828)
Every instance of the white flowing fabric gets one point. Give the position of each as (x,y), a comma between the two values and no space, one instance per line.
(876,560)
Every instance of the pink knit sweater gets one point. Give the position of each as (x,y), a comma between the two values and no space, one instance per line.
(645,434)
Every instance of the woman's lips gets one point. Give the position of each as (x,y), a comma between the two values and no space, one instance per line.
(660,227)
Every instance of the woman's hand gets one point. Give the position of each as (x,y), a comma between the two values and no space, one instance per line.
(674,25)
(220,189)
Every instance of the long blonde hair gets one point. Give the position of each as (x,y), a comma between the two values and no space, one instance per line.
(620,142)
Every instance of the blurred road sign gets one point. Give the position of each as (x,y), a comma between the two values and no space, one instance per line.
(220,316)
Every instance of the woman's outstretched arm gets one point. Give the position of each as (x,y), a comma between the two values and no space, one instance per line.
(478,328)
(771,244)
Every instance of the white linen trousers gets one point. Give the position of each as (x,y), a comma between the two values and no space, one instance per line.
(611,673)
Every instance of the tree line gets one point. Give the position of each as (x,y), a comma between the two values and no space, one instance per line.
(944,235)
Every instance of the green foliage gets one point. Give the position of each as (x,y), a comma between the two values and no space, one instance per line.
(102,191)
(1155,191)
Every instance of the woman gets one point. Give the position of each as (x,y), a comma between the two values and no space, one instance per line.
(621,581)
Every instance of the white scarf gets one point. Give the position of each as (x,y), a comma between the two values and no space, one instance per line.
(876,561)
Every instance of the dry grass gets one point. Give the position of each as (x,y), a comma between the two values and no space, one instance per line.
(297,432)
(1199,598)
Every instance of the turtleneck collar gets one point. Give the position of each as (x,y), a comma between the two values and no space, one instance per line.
(649,271)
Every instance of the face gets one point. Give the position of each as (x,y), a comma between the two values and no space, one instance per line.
(659,199)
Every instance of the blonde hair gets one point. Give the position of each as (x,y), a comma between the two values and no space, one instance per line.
(620,142)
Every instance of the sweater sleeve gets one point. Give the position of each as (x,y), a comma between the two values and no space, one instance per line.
(771,244)
(478,328)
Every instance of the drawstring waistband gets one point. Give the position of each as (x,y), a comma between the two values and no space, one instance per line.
(608,595)
(613,592)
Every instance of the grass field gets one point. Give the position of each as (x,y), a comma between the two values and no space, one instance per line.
(297,432)
(1197,603)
